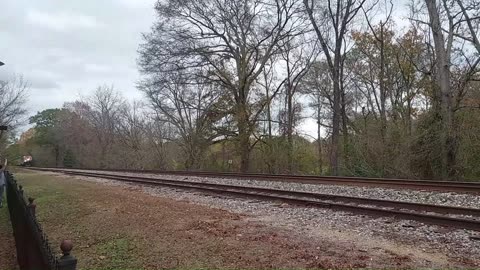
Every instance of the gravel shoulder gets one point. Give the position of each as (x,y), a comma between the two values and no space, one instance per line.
(415,196)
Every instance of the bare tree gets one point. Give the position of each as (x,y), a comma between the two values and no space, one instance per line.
(131,135)
(158,133)
(451,24)
(331,21)
(79,135)
(317,84)
(231,41)
(471,16)
(270,82)
(103,114)
(193,109)
(298,55)
(13,96)
(379,35)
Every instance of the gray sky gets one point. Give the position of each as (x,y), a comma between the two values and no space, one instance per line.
(65,49)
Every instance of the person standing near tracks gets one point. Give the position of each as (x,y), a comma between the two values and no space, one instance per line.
(3,181)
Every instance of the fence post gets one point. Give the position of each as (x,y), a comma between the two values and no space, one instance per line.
(67,261)
(31,206)
(18,224)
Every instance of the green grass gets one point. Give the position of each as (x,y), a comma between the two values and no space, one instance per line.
(107,234)
(7,246)
(59,207)
(117,253)
(5,225)
(47,196)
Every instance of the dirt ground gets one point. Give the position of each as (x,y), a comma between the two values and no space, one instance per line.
(125,228)
(8,260)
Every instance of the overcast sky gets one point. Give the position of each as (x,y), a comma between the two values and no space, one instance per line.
(65,49)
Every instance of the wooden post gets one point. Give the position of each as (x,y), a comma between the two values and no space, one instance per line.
(67,261)
(31,206)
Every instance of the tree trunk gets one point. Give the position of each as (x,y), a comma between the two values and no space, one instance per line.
(270,158)
(447,136)
(319,135)
(383,115)
(334,152)
(335,131)
(290,116)
(58,161)
(409,115)
(243,139)
(103,157)
(190,160)
(269,114)
(244,152)
(346,154)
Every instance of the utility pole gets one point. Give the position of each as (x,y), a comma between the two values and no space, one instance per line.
(2,128)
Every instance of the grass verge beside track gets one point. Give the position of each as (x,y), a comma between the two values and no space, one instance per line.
(8,259)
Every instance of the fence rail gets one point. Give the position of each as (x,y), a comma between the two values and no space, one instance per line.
(33,249)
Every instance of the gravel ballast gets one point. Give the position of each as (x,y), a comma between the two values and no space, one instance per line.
(405,195)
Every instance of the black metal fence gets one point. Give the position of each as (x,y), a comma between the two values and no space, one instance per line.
(33,248)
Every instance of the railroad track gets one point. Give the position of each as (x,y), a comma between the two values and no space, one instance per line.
(457,217)
(430,185)
(467,187)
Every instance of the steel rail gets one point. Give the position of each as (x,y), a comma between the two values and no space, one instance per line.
(438,185)
(464,187)
(312,199)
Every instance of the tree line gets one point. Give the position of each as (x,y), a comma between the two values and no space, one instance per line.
(13,98)
(227,84)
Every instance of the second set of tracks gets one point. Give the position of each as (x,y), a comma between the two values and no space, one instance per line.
(451,216)
(429,185)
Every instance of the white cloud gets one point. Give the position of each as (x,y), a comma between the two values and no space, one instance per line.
(61,21)
(65,49)
(96,68)
(137,4)
(42,82)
